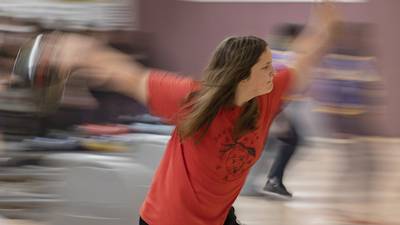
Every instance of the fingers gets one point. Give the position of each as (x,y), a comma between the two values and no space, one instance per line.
(325,12)
(325,18)
(329,12)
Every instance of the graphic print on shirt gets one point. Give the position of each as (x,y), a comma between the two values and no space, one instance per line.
(236,156)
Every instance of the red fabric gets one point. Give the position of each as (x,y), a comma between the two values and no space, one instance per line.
(196,184)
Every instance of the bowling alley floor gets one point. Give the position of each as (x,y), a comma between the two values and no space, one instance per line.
(334,182)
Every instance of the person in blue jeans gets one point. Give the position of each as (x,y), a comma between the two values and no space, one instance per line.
(289,137)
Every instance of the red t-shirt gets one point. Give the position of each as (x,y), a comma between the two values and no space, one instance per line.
(197,183)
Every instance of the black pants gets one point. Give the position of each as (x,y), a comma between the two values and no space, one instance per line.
(289,142)
(230,219)
(142,222)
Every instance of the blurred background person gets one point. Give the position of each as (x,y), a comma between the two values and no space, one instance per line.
(348,95)
(287,123)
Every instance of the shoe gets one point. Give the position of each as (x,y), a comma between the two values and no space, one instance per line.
(232,219)
(275,188)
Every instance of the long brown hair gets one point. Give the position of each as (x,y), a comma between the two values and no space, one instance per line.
(231,63)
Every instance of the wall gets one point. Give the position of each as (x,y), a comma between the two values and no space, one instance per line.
(185,33)
(385,14)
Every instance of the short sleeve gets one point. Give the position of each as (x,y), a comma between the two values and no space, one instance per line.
(166,93)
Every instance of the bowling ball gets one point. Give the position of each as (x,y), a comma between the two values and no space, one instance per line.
(34,69)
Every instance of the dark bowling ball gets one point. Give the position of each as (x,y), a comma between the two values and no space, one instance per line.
(35,69)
